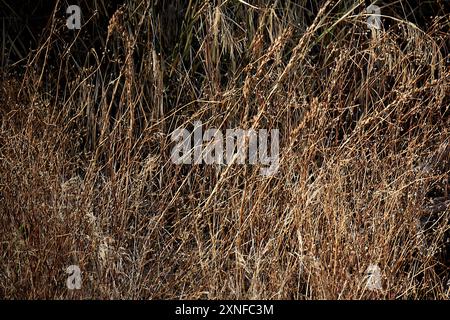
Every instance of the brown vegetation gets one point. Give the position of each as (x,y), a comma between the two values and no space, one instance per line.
(86,177)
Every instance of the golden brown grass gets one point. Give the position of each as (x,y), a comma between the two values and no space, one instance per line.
(86,176)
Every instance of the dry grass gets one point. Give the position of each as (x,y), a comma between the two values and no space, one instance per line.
(86,176)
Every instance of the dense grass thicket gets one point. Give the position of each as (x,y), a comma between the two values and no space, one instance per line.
(86,176)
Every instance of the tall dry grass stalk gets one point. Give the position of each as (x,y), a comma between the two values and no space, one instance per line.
(86,177)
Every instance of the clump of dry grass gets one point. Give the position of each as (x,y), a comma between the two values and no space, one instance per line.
(86,176)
